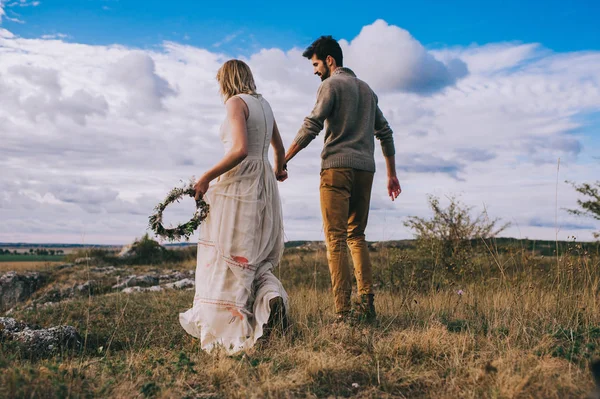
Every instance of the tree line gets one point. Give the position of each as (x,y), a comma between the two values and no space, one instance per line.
(37,252)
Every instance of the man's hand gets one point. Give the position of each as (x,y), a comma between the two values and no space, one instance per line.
(201,187)
(394,189)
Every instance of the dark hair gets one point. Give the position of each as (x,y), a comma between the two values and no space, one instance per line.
(324,46)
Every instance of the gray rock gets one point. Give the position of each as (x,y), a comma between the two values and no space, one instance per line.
(139,281)
(186,283)
(8,325)
(181,284)
(56,295)
(131,290)
(106,269)
(87,259)
(18,287)
(173,276)
(39,341)
(85,288)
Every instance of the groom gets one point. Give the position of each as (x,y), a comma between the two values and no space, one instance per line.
(349,107)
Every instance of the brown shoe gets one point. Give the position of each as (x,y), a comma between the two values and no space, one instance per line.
(365,309)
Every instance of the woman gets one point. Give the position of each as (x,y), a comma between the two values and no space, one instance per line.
(238,299)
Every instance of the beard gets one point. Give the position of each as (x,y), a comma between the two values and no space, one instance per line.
(325,74)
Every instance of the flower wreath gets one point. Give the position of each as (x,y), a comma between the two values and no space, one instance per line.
(183,230)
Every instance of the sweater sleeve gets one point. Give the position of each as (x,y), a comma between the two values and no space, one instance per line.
(313,124)
(383,132)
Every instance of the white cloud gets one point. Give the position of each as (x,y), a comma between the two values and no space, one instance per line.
(4,4)
(94,136)
(24,3)
(144,89)
(390,59)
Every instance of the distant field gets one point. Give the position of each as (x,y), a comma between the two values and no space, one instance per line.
(26,266)
(31,258)
(28,262)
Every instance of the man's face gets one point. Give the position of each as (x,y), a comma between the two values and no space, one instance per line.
(319,68)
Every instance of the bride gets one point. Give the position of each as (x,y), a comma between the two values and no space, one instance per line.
(238,299)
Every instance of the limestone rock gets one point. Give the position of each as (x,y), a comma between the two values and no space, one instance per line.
(139,281)
(39,341)
(18,287)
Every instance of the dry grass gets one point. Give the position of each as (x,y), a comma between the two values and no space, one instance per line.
(26,266)
(501,339)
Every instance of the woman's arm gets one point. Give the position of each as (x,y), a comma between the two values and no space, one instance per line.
(237,112)
(279,149)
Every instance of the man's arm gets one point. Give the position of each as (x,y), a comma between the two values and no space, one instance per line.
(313,124)
(393,185)
(384,134)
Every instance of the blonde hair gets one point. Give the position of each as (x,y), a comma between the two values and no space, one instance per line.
(235,77)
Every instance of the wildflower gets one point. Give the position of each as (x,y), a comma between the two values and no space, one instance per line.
(460,292)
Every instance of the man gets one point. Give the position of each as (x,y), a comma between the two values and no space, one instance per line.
(349,107)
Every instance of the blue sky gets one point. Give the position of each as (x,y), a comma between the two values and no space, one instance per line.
(483,98)
(559,25)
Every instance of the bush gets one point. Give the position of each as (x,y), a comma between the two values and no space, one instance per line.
(447,239)
(590,207)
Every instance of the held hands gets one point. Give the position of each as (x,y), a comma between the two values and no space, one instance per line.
(201,187)
(281,174)
(393,187)
(281,171)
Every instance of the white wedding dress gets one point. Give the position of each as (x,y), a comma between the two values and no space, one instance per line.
(240,243)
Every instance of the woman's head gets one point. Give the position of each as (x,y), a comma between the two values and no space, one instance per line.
(235,77)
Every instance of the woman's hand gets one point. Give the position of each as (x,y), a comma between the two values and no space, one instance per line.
(201,187)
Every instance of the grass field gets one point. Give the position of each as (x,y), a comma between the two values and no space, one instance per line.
(526,330)
(27,265)
(31,258)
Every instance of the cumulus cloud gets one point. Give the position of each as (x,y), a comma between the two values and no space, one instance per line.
(391,59)
(145,89)
(94,136)
(44,96)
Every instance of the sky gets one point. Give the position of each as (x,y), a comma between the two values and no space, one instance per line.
(105,105)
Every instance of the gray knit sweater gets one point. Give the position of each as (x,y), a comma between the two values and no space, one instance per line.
(353,120)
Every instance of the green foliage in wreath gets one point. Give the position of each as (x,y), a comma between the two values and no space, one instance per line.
(184,230)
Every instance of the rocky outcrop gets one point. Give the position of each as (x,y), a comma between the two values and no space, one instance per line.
(18,287)
(181,284)
(131,290)
(184,284)
(173,276)
(39,341)
(55,295)
(86,259)
(104,269)
(137,281)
